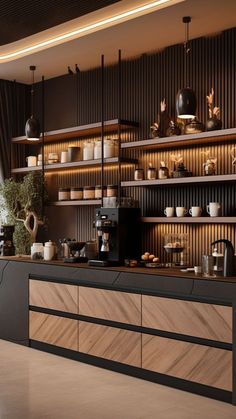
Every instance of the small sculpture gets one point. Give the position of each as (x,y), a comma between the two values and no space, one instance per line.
(233,155)
(159,129)
(214,122)
(209,166)
(179,167)
(173,129)
(194,126)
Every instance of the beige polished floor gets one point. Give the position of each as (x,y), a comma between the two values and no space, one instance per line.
(37,385)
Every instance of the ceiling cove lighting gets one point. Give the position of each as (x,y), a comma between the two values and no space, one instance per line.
(86,29)
(186,102)
(32,126)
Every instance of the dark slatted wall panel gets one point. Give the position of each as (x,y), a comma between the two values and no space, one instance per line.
(145,81)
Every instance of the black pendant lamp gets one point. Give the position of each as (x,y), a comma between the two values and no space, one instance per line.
(186,102)
(32,126)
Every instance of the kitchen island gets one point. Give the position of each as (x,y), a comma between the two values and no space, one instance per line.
(163,325)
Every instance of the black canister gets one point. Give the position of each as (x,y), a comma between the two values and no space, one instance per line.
(73,153)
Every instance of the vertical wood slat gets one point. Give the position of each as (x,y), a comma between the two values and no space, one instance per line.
(146,81)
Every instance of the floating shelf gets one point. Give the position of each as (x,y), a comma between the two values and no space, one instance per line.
(224,135)
(189,220)
(75,165)
(79,131)
(84,202)
(180,181)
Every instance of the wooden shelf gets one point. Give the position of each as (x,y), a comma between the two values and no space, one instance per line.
(84,202)
(211,137)
(189,220)
(74,165)
(79,131)
(180,181)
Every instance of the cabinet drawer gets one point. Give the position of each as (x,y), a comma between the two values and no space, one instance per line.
(110,305)
(198,363)
(110,343)
(52,295)
(54,330)
(208,321)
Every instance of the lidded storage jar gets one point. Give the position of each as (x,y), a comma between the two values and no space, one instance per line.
(88,150)
(112,191)
(97,149)
(63,194)
(89,192)
(76,193)
(37,251)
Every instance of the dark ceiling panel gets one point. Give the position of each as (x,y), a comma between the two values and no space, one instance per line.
(22,18)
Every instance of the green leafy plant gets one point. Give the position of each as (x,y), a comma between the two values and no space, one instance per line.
(21,204)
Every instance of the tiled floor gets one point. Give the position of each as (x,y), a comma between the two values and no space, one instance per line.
(37,385)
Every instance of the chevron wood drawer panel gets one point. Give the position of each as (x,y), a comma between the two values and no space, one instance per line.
(54,330)
(189,361)
(52,295)
(110,305)
(110,343)
(208,321)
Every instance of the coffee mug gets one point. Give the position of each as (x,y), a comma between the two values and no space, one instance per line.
(181,211)
(31,161)
(64,156)
(214,209)
(169,211)
(195,211)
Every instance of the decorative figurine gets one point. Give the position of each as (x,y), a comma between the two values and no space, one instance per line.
(179,167)
(233,155)
(159,129)
(209,166)
(214,122)
(173,129)
(194,126)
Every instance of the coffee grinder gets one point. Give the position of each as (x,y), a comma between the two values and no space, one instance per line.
(7,247)
(118,235)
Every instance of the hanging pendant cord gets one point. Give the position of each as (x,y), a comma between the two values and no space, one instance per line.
(32,68)
(186,21)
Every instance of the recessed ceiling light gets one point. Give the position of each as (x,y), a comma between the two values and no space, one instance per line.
(85,30)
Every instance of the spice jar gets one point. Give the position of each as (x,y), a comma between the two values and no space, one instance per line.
(97,149)
(151,173)
(88,150)
(36,251)
(163,171)
(76,193)
(112,191)
(89,192)
(98,191)
(109,148)
(63,194)
(49,250)
(138,174)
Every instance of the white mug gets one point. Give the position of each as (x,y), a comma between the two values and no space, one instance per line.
(195,211)
(64,157)
(181,211)
(169,211)
(31,161)
(214,209)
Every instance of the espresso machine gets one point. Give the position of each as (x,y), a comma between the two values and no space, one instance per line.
(117,234)
(6,240)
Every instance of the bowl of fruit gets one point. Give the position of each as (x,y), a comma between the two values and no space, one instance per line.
(150,260)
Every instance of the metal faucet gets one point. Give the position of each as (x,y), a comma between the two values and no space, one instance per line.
(228,256)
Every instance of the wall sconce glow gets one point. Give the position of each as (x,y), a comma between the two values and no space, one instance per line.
(85,30)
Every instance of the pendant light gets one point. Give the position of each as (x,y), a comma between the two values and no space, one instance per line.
(186,102)
(32,126)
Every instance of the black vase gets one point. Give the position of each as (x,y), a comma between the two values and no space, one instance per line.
(213,124)
(32,129)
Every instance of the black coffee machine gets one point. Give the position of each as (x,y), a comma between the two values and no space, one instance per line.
(6,241)
(118,235)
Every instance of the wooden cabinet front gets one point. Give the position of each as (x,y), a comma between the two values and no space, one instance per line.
(209,321)
(189,361)
(110,343)
(54,296)
(110,305)
(54,330)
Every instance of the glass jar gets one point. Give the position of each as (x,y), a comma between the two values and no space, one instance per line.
(138,174)
(97,149)
(88,150)
(63,194)
(163,172)
(98,191)
(112,191)
(89,192)
(151,173)
(109,148)
(76,193)
(37,251)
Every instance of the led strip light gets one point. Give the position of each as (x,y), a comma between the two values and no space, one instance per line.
(83,30)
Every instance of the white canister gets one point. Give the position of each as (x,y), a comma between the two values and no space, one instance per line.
(64,157)
(31,161)
(109,148)
(98,149)
(49,250)
(88,150)
(36,251)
